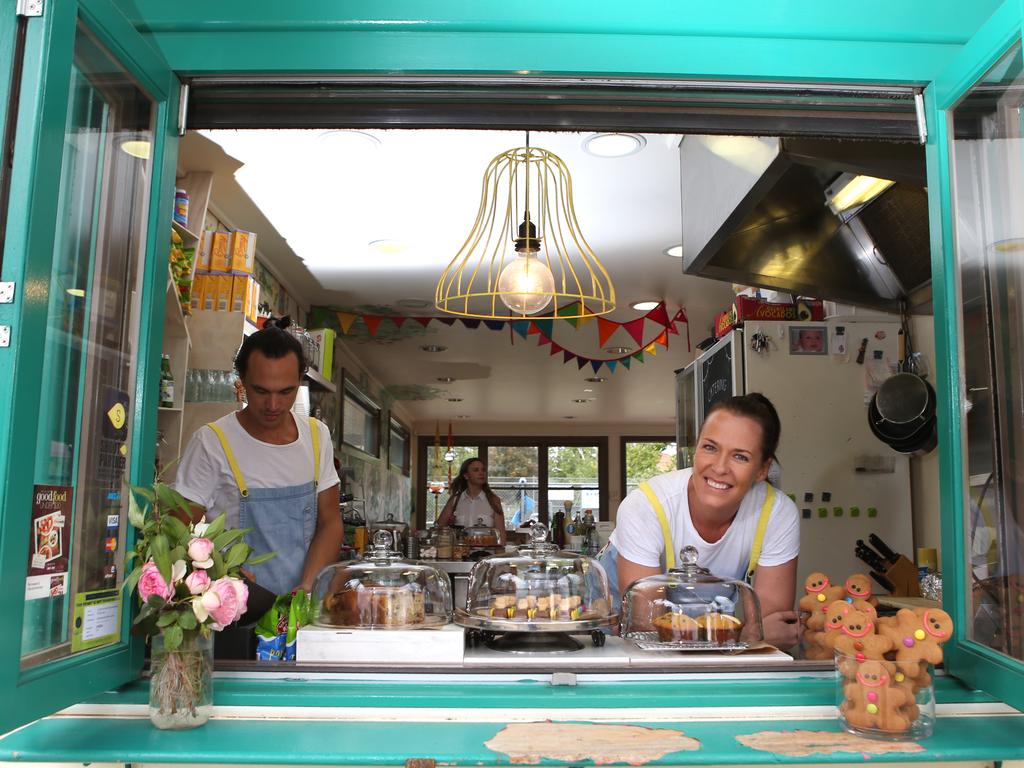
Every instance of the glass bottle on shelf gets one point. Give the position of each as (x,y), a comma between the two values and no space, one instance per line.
(166,383)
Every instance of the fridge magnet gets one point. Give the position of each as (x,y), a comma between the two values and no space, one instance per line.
(808,340)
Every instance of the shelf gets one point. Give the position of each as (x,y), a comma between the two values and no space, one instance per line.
(319,381)
(176,409)
(174,317)
(184,231)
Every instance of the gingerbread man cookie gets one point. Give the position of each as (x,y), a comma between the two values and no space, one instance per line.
(857,640)
(858,587)
(871,701)
(819,594)
(917,636)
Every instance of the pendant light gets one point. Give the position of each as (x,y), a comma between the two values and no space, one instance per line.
(526,203)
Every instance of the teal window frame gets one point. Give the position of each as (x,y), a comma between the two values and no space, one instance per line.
(28,253)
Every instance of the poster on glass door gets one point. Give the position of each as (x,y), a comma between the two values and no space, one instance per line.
(49,540)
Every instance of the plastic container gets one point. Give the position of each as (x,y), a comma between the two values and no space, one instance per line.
(181,207)
(887,700)
(689,608)
(382,591)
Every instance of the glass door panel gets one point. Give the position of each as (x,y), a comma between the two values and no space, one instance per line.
(513,472)
(987,162)
(89,362)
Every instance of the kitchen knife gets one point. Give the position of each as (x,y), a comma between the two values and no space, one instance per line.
(869,556)
(880,545)
(884,582)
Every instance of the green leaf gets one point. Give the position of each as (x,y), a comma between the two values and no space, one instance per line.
(178,553)
(172,637)
(156,603)
(174,528)
(215,528)
(135,514)
(160,551)
(146,493)
(144,614)
(166,497)
(218,565)
(132,578)
(236,555)
(167,618)
(261,558)
(227,538)
(187,619)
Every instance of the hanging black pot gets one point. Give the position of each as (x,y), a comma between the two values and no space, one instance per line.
(902,408)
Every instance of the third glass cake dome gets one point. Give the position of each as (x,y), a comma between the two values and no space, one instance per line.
(688,608)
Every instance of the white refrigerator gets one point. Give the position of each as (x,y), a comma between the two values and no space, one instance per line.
(820,376)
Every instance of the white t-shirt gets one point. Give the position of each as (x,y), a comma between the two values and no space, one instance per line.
(204,475)
(638,536)
(469,510)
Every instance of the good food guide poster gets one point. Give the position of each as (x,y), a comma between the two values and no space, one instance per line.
(49,542)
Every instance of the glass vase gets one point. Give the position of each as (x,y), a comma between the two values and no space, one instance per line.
(181,682)
(886,700)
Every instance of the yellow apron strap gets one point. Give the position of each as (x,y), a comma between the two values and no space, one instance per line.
(315,433)
(762,525)
(239,480)
(670,550)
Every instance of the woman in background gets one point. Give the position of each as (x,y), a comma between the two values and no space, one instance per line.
(472,501)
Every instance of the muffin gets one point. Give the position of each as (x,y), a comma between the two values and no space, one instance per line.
(719,628)
(673,627)
(504,607)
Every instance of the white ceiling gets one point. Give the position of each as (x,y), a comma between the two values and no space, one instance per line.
(318,199)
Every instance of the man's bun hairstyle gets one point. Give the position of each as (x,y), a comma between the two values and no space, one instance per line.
(272,341)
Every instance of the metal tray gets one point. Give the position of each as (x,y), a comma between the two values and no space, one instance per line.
(466,619)
(648,641)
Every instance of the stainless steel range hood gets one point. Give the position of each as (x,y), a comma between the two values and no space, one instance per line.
(754,212)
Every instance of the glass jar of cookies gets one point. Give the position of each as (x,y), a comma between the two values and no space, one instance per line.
(689,608)
(881,699)
(382,591)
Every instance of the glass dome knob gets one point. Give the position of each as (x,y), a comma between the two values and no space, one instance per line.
(539,533)
(688,555)
(381,542)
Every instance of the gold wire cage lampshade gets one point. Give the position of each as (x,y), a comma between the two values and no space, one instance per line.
(525,255)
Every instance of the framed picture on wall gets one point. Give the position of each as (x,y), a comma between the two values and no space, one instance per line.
(808,340)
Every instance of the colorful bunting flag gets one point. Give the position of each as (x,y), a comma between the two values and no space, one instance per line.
(596,365)
(345,320)
(398,320)
(605,329)
(495,325)
(372,323)
(522,327)
(635,328)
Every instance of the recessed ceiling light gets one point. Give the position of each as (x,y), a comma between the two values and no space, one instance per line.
(349,141)
(616,350)
(582,399)
(413,303)
(433,348)
(568,417)
(137,147)
(588,389)
(596,379)
(614,144)
(676,251)
(445,379)
(388,247)
(454,399)
(644,306)
(462,416)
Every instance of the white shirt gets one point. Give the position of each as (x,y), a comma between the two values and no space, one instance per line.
(469,510)
(638,536)
(204,475)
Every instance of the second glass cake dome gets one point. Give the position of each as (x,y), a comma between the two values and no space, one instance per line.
(688,608)
(382,591)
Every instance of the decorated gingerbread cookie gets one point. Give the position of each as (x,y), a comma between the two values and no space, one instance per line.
(872,701)
(858,587)
(917,636)
(819,593)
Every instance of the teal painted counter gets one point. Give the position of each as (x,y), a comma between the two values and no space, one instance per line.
(317,720)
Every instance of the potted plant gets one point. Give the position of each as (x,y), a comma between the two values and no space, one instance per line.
(187,577)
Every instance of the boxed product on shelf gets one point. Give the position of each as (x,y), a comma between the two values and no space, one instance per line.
(203,255)
(239,292)
(324,337)
(252,300)
(243,252)
(199,291)
(219,255)
(222,292)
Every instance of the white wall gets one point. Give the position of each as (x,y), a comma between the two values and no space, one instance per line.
(924,470)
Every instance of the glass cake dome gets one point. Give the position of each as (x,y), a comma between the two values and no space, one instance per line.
(382,591)
(537,588)
(689,608)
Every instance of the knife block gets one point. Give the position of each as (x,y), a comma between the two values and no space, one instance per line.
(903,576)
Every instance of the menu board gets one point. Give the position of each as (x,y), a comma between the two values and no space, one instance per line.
(716,371)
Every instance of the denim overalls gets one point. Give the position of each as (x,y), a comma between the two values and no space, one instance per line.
(283,520)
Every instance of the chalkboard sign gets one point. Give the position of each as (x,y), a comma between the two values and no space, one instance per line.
(717,374)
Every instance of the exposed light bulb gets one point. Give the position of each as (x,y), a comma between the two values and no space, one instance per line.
(526,285)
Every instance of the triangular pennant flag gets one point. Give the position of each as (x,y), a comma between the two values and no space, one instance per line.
(583,321)
(651,348)
(345,320)
(522,327)
(372,323)
(546,326)
(398,320)
(596,365)
(681,316)
(470,322)
(533,328)
(605,329)
(625,362)
(542,340)
(495,325)
(658,314)
(662,339)
(635,329)
(671,327)
(581,361)
(555,349)
(567,356)
(424,321)
(570,313)
(611,365)
(446,320)
(639,356)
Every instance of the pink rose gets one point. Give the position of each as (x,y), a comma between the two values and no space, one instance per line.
(152,583)
(197,581)
(199,551)
(232,600)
